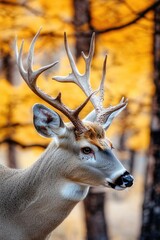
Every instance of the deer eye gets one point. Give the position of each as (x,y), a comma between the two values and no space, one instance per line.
(86,150)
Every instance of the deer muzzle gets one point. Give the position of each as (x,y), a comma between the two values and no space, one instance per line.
(122,182)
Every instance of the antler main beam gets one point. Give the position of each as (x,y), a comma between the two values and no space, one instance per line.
(30,78)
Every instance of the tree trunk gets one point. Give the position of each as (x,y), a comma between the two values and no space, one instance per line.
(132,161)
(94,203)
(151,207)
(11,154)
(8,69)
(95,217)
(82,23)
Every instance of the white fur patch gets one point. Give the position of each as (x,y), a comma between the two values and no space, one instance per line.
(74,192)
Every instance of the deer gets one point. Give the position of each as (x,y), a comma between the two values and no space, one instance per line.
(35,200)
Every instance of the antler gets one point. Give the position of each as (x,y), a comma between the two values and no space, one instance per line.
(30,78)
(83,81)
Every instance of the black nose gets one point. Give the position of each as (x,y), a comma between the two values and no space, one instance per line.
(125,179)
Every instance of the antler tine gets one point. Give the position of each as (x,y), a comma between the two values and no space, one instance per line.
(19,59)
(78,110)
(70,58)
(107,112)
(72,77)
(88,59)
(30,78)
(101,88)
(33,75)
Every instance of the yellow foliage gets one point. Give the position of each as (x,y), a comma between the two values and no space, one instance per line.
(6,96)
(140,140)
(129,64)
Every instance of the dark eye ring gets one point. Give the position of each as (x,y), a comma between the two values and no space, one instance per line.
(86,150)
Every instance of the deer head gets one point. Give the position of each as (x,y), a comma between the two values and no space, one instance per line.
(82,146)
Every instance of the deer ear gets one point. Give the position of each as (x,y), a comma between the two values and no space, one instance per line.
(47,122)
(110,118)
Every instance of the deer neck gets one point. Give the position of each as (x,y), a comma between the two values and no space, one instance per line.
(43,191)
(48,175)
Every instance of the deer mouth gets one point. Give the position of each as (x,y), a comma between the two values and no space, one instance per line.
(116,187)
(110,184)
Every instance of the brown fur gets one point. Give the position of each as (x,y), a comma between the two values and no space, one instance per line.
(95,135)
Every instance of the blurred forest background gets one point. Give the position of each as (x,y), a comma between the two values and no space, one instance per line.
(129,32)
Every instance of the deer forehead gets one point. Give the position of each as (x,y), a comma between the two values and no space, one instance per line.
(95,135)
